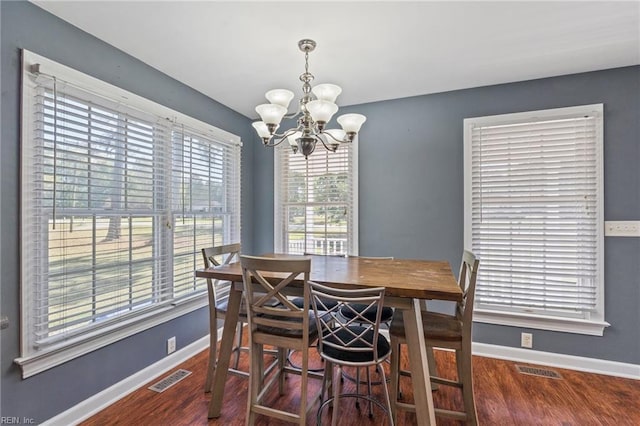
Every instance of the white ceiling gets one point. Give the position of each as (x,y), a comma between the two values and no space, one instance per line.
(234,52)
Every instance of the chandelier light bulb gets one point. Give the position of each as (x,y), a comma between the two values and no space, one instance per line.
(351,123)
(271,113)
(261,129)
(327,92)
(321,111)
(279,97)
(292,138)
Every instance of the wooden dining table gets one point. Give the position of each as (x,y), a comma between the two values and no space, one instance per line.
(407,283)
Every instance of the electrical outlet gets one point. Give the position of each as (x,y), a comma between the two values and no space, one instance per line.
(526,340)
(625,228)
(171,345)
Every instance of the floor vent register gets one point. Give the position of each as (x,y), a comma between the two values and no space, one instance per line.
(170,380)
(537,371)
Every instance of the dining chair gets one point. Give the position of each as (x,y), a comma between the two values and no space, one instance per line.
(218,292)
(351,311)
(284,326)
(448,332)
(354,342)
(299,302)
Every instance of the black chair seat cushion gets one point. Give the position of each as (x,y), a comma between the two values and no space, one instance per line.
(369,314)
(384,348)
(299,302)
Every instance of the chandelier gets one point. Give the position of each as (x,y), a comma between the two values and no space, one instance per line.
(312,114)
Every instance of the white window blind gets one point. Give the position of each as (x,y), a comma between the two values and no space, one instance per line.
(534,211)
(93,211)
(117,202)
(206,188)
(316,201)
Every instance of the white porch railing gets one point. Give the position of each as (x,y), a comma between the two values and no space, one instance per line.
(327,246)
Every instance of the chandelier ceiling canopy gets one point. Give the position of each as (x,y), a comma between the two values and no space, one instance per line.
(315,109)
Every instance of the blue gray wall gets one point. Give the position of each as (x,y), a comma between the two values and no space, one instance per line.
(411,189)
(24,25)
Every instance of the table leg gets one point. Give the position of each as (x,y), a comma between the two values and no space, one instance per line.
(419,365)
(226,344)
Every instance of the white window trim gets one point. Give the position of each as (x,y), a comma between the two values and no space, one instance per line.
(34,363)
(277,226)
(549,323)
(594,325)
(56,355)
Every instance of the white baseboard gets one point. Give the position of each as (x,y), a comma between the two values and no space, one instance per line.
(570,362)
(101,400)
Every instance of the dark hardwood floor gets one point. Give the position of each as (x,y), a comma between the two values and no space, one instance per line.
(504,396)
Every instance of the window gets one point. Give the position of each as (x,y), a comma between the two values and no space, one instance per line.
(534,217)
(206,203)
(316,201)
(117,201)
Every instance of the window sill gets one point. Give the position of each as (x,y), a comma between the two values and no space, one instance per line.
(43,360)
(566,325)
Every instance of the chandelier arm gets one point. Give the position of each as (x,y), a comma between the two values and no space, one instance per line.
(281,137)
(286,134)
(333,137)
(328,148)
(273,144)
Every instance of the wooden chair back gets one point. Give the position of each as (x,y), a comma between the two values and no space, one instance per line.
(260,291)
(216,256)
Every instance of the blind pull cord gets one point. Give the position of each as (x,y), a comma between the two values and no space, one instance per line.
(182,143)
(55,147)
(191,148)
(479,168)
(209,161)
